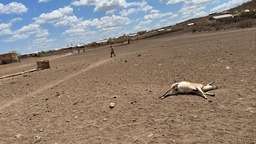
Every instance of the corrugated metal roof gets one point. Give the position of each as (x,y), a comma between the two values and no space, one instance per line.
(223,16)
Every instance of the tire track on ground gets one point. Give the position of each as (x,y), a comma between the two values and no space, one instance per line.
(53,84)
(21,66)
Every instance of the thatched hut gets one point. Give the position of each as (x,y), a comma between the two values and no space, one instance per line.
(8,58)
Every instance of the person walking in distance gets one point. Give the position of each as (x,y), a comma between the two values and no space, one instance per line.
(112,51)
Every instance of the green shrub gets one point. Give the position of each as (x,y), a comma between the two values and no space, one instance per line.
(111,41)
(250,14)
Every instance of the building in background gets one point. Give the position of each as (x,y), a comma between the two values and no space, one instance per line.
(9,58)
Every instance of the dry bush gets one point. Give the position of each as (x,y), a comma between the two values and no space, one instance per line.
(142,32)
(245,24)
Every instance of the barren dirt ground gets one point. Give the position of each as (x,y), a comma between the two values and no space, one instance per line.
(69,103)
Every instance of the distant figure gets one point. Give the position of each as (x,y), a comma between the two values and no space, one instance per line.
(83,50)
(112,51)
(19,59)
(78,50)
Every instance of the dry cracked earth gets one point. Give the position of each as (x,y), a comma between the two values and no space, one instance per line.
(69,103)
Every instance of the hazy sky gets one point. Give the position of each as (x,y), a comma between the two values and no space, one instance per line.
(40,25)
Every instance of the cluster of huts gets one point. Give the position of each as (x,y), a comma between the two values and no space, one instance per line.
(212,19)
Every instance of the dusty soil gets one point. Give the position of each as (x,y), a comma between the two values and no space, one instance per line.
(69,103)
